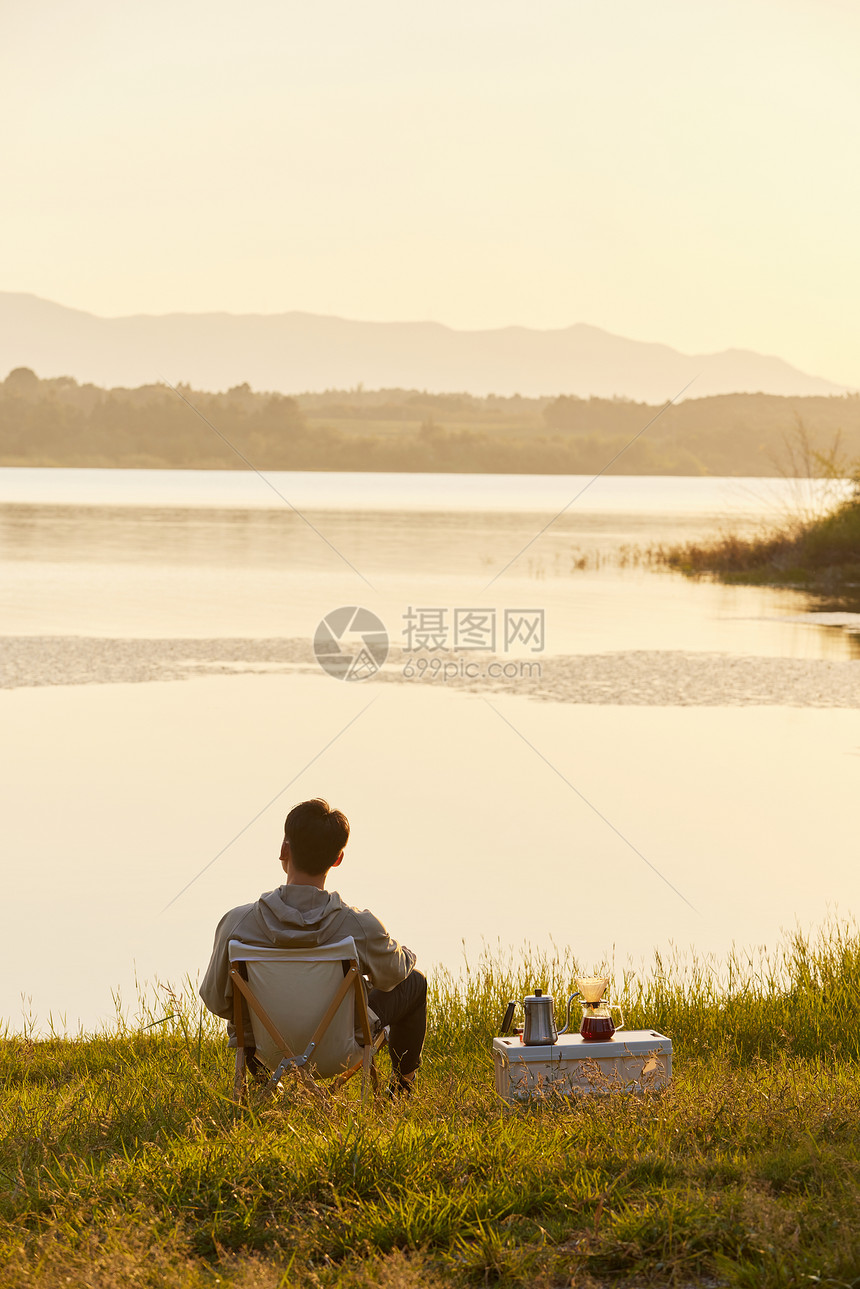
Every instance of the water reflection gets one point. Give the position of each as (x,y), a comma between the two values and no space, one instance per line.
(158,571)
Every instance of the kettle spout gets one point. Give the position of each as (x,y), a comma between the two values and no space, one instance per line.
(569,1001)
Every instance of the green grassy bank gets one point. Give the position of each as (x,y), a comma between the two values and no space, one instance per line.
(124,1163)
(822,553)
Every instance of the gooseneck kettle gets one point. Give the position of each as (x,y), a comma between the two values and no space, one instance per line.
(539,1027)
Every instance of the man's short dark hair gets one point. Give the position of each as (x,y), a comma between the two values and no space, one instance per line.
(317,834)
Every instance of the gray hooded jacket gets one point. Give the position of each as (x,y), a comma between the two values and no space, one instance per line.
(300,917)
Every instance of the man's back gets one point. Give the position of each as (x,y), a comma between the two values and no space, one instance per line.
(300,917)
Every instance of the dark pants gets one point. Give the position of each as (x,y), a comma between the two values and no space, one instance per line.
(404,1009)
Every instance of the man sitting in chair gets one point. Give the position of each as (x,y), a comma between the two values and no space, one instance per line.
(303,914)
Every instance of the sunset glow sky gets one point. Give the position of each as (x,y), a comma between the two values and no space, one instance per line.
(669,171)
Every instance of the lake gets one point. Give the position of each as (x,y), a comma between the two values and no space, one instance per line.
(654,761)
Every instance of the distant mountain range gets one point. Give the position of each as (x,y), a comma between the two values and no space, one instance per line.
(298,352)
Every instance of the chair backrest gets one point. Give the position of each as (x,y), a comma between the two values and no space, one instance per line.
(295,986)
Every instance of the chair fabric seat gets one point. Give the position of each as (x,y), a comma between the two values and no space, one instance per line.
(295,986)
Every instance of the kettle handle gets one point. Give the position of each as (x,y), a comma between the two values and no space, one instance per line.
(507,1019)
(567,1022)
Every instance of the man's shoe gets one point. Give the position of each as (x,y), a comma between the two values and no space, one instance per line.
(399,1087)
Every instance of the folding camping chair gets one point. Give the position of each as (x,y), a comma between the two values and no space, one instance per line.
(303,1001)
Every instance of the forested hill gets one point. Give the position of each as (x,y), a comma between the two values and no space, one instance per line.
(59,422)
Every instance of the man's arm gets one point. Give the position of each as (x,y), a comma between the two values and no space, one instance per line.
(386,962)
(216,989)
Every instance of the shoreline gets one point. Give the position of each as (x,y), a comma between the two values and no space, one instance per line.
(818,554)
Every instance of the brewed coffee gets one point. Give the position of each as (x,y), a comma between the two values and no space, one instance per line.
(596,1029)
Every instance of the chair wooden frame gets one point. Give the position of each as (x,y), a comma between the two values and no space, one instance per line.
(245,998)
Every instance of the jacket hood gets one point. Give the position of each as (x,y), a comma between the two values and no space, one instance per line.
(299,917)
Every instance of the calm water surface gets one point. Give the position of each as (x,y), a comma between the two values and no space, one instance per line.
(116,796)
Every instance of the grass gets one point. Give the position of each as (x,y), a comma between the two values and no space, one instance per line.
(820,552)
(124,1163)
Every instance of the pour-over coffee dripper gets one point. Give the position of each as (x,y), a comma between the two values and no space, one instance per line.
(597,1023)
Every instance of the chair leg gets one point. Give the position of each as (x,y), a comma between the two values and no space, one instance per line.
(239,1080)
(367,1070)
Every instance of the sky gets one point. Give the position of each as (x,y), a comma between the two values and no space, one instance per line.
(674,172)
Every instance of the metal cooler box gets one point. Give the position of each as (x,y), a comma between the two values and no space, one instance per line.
(633,1060)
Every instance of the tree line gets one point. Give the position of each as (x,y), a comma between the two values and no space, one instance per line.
(59,422)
